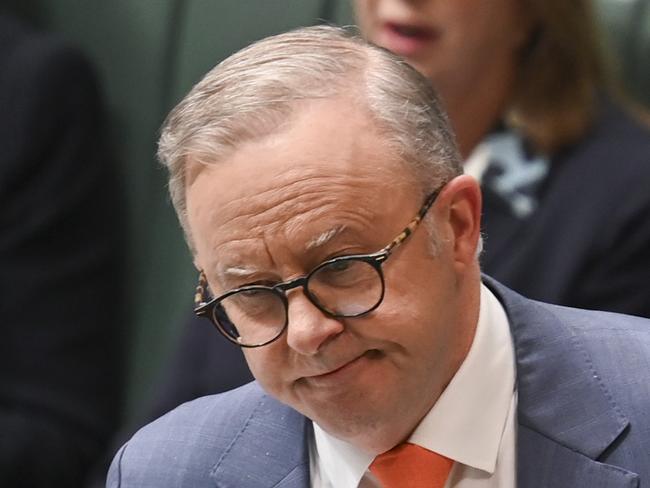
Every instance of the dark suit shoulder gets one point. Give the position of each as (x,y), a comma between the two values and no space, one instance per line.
(25,52)
(617,122)
(613,154)
(587,244)
(49,94)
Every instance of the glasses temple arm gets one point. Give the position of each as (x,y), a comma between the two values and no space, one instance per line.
(410,228)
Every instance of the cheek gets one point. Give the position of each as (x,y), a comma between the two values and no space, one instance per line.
(409,306)
(497,28)
(267,368)
(423,324)
(474,25)
(423,292)
(415,337)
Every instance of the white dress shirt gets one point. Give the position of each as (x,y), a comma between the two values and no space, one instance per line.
(473,422)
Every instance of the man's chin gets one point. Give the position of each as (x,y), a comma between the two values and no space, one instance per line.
(371,431)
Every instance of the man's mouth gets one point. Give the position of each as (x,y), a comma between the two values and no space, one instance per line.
(343,372)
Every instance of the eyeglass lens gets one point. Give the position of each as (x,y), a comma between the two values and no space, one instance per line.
(257,315)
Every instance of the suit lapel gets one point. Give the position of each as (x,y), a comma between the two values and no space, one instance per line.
(566,416)
(271,450)
(546,463)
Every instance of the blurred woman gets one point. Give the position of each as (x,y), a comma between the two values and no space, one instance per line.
(563,166)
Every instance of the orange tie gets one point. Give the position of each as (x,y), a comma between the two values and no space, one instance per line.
(412,466)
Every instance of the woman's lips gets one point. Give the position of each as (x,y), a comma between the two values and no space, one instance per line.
(405,39)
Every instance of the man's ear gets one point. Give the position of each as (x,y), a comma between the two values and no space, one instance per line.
(460,207)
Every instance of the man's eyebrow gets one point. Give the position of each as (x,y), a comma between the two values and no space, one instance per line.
(324,237)
(228,273)
(238,271)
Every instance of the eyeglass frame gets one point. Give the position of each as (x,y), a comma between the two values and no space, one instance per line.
(205,308)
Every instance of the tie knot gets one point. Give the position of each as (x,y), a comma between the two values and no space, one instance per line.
(411,465)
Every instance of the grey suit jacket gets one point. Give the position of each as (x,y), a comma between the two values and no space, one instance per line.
(583,381)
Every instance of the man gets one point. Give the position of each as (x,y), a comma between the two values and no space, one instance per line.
(336,237)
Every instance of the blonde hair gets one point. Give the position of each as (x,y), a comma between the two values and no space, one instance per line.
(253,93)
(561,71)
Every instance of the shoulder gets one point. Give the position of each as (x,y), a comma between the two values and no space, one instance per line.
(607,333)
(617,144)
(612,341)
(182,447)
(610,350)
(582,376)
(603,180)
(45,82)
(617,345)
(27,54)
(51,106)
(614,346)
(617,130)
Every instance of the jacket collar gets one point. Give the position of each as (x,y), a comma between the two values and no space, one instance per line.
(567,418)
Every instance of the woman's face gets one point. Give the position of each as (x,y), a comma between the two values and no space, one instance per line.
(455,43)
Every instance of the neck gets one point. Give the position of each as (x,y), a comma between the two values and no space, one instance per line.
(474,110)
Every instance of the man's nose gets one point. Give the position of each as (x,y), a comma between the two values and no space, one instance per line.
(309,328)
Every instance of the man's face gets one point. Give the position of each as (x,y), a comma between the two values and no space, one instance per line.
(452,42)
(328,186)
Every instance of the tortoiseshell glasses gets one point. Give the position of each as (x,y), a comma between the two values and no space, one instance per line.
(344,286)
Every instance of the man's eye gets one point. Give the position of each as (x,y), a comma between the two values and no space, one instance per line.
(339,266)
(250,293)
(337,271)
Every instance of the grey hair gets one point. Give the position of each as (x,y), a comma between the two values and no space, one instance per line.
(253,92)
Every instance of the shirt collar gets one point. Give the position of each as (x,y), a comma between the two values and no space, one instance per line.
(453,427)
(338,461)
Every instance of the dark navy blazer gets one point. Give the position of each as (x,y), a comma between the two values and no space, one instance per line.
(587,244)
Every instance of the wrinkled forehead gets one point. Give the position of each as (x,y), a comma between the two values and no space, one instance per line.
(327,144)
(286,224)
(330,170)
(318,199)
